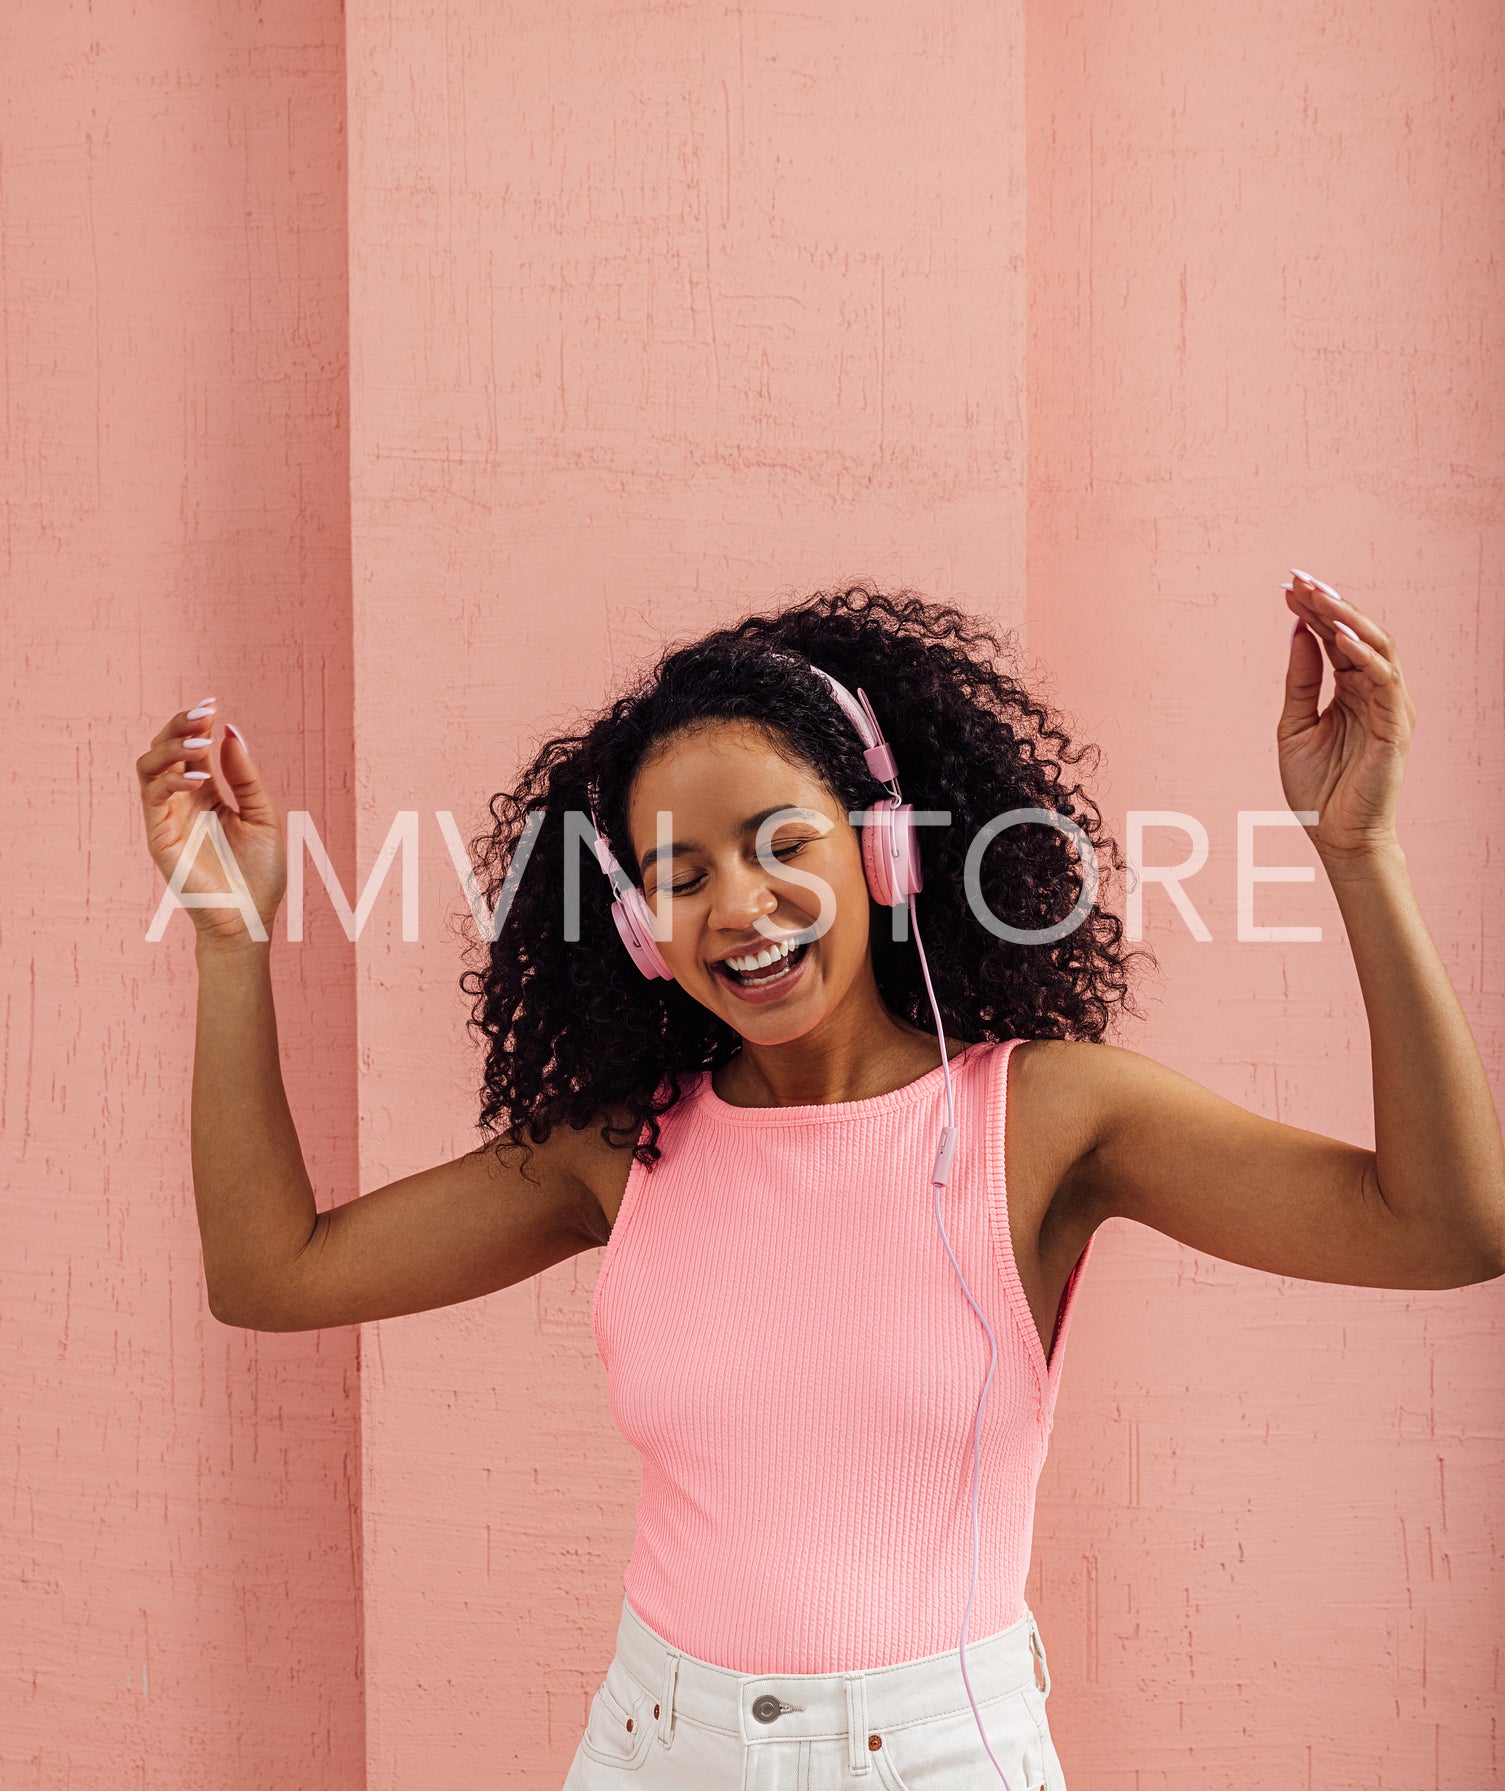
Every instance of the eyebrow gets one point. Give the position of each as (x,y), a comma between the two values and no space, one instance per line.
(753,822)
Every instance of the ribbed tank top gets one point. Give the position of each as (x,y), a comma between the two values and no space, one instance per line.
(788,1348)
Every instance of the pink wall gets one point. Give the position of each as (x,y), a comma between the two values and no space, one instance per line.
(652,315)
(1265,329)
(179,1597)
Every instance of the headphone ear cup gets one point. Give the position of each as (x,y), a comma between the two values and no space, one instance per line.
(890,854)
(634,920)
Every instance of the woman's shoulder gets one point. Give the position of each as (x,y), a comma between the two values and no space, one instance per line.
(1057,1078)
(1057,1095)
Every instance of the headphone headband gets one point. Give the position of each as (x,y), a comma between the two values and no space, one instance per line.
(878,753)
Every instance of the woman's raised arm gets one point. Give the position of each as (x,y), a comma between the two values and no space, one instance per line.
(272,1261)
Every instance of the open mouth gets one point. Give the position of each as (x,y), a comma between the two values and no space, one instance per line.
(768,976)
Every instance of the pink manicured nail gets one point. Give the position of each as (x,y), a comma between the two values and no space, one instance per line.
(1317,582)
(238,735)
(1344,628)
(201,709)
(1297,625)
(198,739)
(196,774)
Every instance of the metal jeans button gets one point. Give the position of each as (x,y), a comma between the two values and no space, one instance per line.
(766,1708)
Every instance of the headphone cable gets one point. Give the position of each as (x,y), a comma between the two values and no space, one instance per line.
(939,1177)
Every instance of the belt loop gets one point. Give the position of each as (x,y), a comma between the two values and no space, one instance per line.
(666,1699)
(1037,1648)
(857,1751)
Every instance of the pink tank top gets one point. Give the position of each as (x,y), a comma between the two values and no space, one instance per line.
(788,1348)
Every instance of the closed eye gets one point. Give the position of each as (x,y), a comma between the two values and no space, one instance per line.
(778,851)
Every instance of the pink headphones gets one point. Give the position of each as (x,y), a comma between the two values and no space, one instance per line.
(890,851)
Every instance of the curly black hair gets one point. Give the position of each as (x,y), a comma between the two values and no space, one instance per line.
(572,1026)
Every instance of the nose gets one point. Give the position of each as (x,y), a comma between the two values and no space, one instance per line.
(741,896)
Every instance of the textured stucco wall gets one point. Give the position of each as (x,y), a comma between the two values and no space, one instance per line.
(1265,330)
(179,1505)
(654,313)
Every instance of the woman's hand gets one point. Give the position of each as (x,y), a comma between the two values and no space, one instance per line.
(172,797)
(1347,763)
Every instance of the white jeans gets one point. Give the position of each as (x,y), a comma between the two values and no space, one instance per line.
(664,1720)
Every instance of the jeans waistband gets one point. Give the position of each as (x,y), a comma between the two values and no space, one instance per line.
(823,1706)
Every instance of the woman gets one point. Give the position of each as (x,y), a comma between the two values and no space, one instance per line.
(837,1346)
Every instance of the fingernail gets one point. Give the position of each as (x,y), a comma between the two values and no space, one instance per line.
(1319,584)
(197,739)
(205,706)
(1345,629)
(238,735)
(196,774)
(1296,626)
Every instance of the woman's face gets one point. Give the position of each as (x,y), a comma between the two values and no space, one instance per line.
(718,786)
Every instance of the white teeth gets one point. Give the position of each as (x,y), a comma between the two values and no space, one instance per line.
(761,960)
(769,955)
